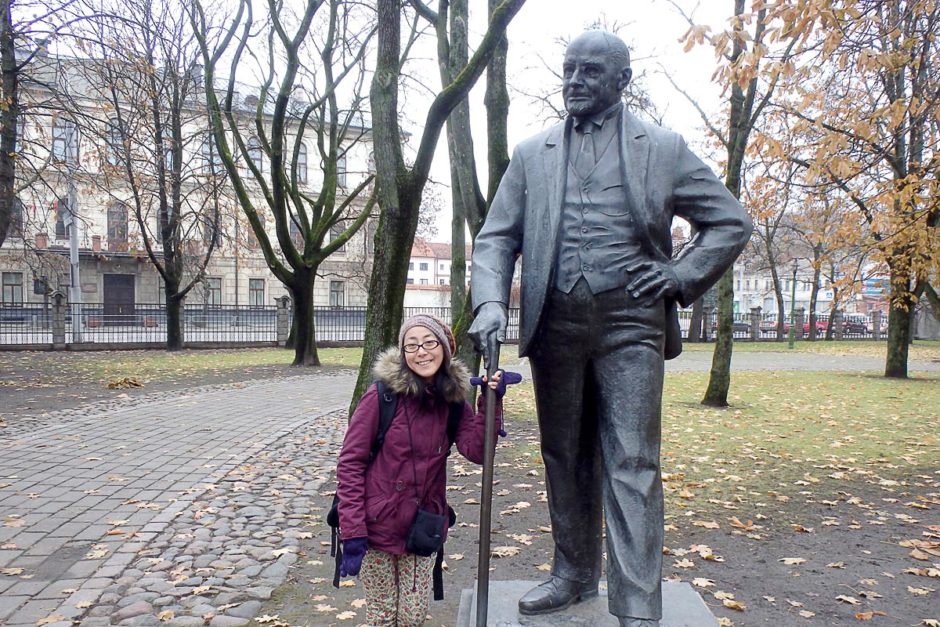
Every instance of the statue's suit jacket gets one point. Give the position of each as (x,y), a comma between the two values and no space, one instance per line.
(661,179)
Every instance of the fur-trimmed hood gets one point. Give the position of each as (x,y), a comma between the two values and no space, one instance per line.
(391,370)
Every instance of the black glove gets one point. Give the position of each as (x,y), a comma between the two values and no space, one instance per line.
(508,378)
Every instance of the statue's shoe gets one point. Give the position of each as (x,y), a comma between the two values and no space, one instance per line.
(555,594)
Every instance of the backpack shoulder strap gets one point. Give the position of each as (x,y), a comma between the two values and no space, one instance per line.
(454,416)
(388,403)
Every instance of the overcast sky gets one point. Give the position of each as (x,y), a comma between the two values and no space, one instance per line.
(652,29)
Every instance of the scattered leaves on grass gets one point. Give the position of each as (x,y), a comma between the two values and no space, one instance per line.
(125,383)
(347,615)
(706,524)
(504,551)
(847,599)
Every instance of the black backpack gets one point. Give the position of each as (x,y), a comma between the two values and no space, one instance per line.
(388,403)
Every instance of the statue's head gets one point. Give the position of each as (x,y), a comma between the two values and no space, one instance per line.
(595,72)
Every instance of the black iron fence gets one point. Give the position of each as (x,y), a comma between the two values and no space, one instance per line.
(25,324)
(142,324)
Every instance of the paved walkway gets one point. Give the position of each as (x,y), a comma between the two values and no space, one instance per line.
(183,504)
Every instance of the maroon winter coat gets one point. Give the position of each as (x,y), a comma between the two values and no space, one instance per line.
(378,501)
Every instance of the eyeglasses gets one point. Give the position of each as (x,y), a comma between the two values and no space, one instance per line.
(428,346)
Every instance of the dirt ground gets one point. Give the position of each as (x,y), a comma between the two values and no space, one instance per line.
(849,560)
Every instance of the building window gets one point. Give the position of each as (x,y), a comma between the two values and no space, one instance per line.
(61,207)
(410,281)
(302,164)
(117,227)
(213,291)
(158,232)
(424,281)
(211,233)
(411,265)
(341,170)
(440,281)
(337,293)
(16,218)
(423,267)
(114,143)
(12,288)
(440,266)
(335,231)
(161,291)
(255,154)
(256,292)
(295,233)
(250,236)
(211,161)
(65,141)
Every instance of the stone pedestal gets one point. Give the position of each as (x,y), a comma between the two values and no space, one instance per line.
(682,607)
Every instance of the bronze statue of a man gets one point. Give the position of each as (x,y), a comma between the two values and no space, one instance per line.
(589,205)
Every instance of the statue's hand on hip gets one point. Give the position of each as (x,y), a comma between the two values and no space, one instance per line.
(489,328)
(652,281)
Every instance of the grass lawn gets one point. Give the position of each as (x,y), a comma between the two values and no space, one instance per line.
(152,366)
(786,429)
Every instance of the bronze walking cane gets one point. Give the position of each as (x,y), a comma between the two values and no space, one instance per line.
(486,500)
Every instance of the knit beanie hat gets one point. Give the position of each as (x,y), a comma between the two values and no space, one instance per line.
(440,330)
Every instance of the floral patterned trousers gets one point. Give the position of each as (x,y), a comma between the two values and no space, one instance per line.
(397,587)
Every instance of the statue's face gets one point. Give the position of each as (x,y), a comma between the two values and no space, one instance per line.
(592,80)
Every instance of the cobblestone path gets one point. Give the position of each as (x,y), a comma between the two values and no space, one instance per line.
(178,509)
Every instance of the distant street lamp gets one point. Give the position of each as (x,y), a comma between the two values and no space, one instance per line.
(790,337)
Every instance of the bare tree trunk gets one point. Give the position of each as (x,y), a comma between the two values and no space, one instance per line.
(9,85)
(399,188)
(305,344)
(741,121)
(695,323)
(900,316)
(174,317)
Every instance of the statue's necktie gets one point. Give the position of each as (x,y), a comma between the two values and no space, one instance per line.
(586,156)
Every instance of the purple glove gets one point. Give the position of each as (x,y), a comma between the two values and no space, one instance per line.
(508,378)
(354,550)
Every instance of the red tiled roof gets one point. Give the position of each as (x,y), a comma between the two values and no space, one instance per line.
(434,250)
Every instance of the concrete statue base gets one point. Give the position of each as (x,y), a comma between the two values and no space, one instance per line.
(682,607)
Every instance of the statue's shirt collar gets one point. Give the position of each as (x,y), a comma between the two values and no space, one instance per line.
(598,119)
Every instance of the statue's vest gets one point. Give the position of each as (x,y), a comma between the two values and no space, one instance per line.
(597,238)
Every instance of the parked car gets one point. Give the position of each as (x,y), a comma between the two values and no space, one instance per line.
(822,325)
(855,324)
